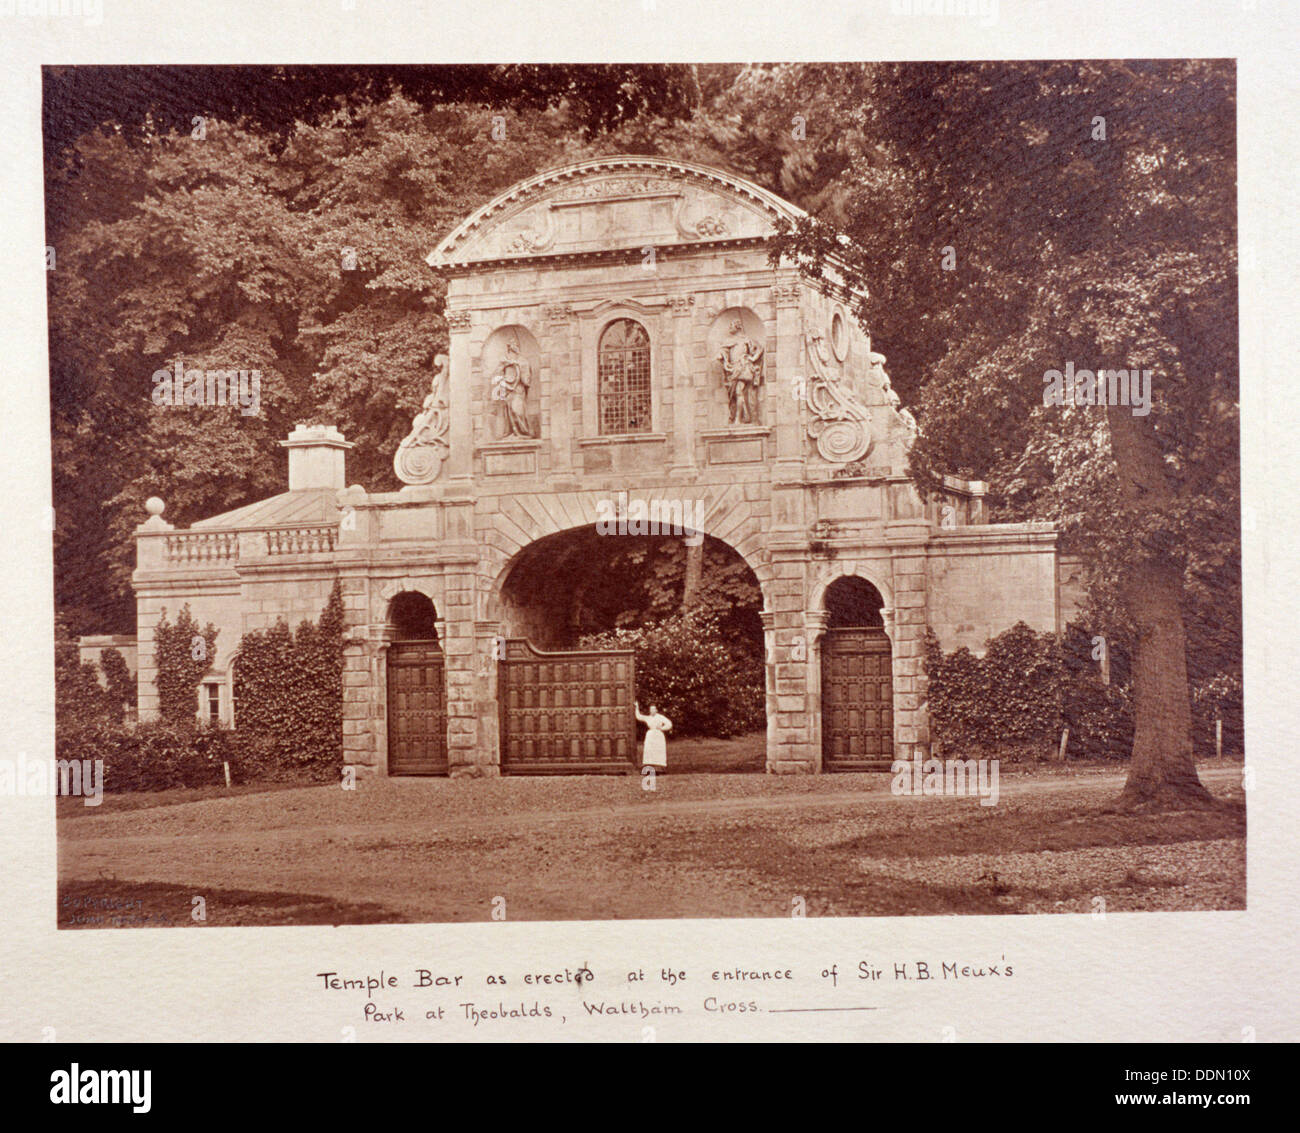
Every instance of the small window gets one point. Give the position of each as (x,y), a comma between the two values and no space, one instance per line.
(212,702)
(624,365)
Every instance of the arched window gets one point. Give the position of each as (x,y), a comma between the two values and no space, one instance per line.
(624,367)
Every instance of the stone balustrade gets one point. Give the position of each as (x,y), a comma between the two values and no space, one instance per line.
(189,548)
(301,540)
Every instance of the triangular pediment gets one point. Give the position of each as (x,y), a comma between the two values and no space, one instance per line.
(610,204)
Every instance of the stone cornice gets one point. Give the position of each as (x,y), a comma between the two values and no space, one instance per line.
(596,255)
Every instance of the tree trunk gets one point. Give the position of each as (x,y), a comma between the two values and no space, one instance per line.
(694,575)
(1161,772)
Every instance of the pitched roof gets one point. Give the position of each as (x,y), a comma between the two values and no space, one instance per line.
(288,509)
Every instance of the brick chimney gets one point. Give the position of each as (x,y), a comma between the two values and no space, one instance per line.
(316,457)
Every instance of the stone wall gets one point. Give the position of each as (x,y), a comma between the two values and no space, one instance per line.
(984,579)
(91,649)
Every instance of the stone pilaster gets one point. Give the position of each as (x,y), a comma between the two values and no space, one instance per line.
(150,555)
(815,622)
(681,389)
(790,704)
(783,379)
(489,646)
(460,435)
(362,700)
(466,755)
(907,625)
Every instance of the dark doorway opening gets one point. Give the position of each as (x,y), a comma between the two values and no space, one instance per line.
(417,689)
(690,614)
(857,680)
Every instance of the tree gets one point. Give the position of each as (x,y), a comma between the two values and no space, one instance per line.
(293,247)
(1085,213)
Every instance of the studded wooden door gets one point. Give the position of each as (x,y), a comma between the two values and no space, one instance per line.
(417,709)
(566,713)
(857,700)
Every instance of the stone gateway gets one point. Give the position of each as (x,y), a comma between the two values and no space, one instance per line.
(616,331)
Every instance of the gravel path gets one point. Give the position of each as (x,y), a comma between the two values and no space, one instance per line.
(700,846)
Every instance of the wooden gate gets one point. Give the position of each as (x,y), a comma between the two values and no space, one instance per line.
(857,700)
(417,709)
(566,713)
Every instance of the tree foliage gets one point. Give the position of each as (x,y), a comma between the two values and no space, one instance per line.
(78,694)
(1087,211)
(227,250)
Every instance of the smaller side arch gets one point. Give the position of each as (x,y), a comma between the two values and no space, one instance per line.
(854,670)
(817,597)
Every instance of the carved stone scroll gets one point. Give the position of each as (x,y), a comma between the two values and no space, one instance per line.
(841,424)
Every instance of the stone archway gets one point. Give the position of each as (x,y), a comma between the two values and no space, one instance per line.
(856,670)
(416,688)
(542,605)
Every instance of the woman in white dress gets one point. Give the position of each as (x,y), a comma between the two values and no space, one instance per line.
(655,753)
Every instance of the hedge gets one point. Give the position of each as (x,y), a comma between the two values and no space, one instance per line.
(1015,701)
(160,755)
(1220,696)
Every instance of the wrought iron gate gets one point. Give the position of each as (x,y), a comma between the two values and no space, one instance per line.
(417,709)
(857,700)
(566,713)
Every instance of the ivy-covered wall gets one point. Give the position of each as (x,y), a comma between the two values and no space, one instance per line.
(1016,700)
(183,654)
(289,693)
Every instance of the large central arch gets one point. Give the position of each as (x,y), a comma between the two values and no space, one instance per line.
(556,590)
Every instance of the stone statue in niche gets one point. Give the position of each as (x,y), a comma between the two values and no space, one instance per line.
(742,369)
(510,384)
(420,456)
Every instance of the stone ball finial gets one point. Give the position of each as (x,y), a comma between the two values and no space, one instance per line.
(154,505)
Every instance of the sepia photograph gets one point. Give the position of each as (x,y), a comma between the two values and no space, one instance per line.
(598,491)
